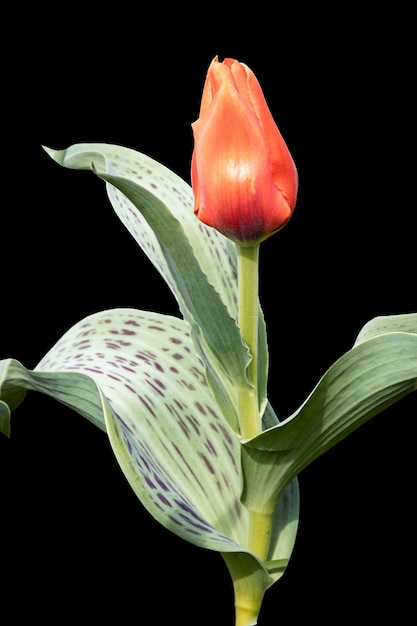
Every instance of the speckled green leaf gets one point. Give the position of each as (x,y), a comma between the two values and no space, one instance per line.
(197,262)
(135,375)
(216,254)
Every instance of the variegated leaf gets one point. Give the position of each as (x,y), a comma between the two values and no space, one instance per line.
(196,261)
(170,439)
(135,375)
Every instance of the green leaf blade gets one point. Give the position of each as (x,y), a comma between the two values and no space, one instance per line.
(198,263)
(135,374)
(216,335)
(383,324)
(373,375)
(215,254)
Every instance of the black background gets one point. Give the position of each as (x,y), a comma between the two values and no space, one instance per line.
(76,543)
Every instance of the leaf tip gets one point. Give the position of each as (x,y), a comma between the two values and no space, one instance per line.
(56,155)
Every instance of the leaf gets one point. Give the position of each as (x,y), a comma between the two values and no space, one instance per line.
(371,376)
(4,418)
(135,374)
(283,531)
(405,323)
(15,380)
(196,261)
(215,254)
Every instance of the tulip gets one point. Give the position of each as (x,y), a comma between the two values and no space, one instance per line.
(243,176)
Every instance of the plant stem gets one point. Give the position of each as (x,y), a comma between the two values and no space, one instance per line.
(249,584)
(259,535)
(246,617)
(248,265)
(260,522)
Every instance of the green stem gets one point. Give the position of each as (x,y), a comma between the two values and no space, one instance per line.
(249,583)
(248,265)
(260,522)
(259,535)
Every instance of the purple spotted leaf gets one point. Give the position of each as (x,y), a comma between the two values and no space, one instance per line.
(197,262)
(135,375)
(169,430)
(215,254)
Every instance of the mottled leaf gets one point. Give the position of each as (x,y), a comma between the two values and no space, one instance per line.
(215,254)
(196,261)
(169,437)
(135,375)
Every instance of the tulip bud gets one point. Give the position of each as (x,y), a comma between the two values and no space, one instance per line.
(243,176)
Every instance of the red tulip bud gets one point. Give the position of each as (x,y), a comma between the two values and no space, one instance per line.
(243,176)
